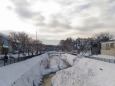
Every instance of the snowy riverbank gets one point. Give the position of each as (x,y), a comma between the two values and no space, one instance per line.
(23,73)
(86,72)
(31,71)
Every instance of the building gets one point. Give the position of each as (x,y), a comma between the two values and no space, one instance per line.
(3,44)
(108,48)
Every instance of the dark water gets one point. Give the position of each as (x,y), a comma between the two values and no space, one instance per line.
(47,80)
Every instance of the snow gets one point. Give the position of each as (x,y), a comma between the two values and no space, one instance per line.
(59,61)
(17,74)
(86,72)
(16,55)
(30,72)
(104,56)
(12,57)
(81,72)
(68,58)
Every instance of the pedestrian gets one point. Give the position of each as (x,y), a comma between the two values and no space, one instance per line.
(5,58)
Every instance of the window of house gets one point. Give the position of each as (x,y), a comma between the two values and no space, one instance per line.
(112,45)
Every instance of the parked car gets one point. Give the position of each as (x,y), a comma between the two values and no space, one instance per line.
(74,52)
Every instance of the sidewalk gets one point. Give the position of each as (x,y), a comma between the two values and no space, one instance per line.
(15,60)
(105,58)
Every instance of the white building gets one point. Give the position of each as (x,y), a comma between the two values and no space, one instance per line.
(108,48)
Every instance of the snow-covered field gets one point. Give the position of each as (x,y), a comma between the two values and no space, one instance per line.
(86,72)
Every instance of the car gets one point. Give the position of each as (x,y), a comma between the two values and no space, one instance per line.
(74,52)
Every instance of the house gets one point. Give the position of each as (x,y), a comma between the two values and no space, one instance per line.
(108,48)
(3,44)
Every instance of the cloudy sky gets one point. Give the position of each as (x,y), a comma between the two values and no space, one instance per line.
(57,19)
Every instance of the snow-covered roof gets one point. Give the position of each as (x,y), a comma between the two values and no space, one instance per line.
(110,41)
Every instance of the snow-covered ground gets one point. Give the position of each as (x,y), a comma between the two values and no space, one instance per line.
(86,72)
(82,72)
(58,62)
(30,72)
(23,73)
(104,56)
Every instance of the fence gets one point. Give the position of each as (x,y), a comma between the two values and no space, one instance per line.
(50,54)
(102,59)
(4,62)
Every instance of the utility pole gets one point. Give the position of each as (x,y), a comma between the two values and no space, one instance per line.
(36,42)
(36,33)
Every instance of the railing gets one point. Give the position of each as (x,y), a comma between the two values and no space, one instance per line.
(4,62)
(50,54)
(102,59)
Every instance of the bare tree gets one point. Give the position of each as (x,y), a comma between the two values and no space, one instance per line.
(22,43)
(37,45)
(23,39)
(102,37)
(66,45)
(61,44)
(30,46)
(13,39)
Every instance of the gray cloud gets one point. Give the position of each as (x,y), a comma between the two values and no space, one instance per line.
(97,16)
(86,6)
(59,21)
(23,10)
(91,24)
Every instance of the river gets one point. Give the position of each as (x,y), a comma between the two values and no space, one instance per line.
(47,80)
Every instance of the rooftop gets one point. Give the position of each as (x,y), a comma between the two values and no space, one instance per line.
(109,41)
